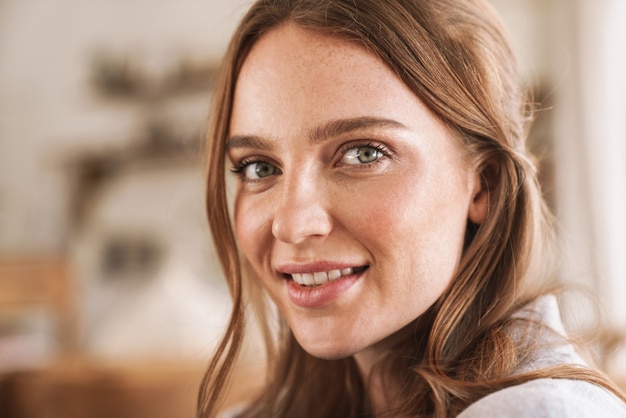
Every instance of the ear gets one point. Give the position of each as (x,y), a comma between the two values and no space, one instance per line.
(482,184)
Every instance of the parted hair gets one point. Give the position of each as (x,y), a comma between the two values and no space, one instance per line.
(455,57)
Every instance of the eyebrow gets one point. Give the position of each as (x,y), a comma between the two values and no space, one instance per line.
(248,141)
(339,127)
(318,134)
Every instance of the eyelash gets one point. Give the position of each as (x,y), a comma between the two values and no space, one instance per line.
(241,166)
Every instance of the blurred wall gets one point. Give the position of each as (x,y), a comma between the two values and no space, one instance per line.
(48,110)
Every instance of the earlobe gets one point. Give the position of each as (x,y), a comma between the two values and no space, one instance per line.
(479,206)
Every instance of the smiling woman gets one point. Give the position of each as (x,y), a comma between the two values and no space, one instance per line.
(349,179)
(387,206)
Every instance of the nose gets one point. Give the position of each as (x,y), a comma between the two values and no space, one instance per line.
(301,213)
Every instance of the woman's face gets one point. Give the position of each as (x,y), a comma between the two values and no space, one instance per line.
(352,199)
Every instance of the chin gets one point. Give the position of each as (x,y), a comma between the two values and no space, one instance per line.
(328,350)
(329,354)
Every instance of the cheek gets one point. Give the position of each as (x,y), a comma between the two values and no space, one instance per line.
(427,218)
(250,228)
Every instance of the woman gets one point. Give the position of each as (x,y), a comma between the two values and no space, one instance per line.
(387,206)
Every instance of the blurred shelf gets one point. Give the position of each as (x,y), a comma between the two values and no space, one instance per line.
(37,302)
(82,389)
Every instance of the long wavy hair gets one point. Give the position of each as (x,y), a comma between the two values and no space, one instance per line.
(454,55)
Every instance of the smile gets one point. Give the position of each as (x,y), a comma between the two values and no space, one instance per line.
(322,277)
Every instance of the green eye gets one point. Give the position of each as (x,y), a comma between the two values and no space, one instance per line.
(362,155)
(259,170)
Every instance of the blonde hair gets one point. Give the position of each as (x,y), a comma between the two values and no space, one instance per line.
(454,55)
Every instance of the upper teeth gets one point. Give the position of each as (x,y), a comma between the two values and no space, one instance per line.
(321,277)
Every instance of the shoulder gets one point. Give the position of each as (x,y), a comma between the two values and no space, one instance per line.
(549,398)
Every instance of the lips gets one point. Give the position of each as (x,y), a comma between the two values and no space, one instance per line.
(318,285)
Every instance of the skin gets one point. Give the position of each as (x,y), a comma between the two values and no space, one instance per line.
(305,200)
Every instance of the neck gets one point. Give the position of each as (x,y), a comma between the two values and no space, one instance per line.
(381,384)
(373,381)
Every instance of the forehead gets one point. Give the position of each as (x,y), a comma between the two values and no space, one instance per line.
(291,71)
(306,48)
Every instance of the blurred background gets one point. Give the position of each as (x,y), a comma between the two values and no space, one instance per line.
(111,299)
